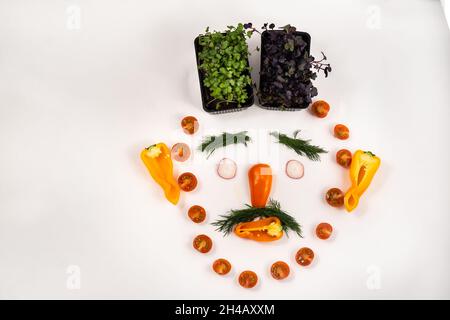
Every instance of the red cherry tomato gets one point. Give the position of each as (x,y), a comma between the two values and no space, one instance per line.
(202,243)
(341,132)
(187,181)
(248,279)
(304,256)
(344,158)
(335,197)
(189,125)
(324,230)
(222,266)
(197,214)
(280,270)
(320,108)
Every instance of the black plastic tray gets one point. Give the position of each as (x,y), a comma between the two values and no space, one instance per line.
(307,38)
(226,107)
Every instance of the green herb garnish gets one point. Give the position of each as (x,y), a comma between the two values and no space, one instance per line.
(212,143)
(273,209)
(301,147)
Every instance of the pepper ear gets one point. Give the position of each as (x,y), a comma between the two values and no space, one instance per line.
(351,199)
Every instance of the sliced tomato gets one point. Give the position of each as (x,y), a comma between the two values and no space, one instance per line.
(189,125)
(344,158)
(222,266)
(320,108)
(335,197)
(197,214)
(324,230)
(202,243)
(187,181)
(304,256)
(248,279)
(341,132)
(280,270)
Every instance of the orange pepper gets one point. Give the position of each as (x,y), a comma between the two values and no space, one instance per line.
(260,180)
(267,229)
(159,163)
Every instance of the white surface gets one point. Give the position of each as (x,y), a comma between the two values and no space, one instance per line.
(77,106)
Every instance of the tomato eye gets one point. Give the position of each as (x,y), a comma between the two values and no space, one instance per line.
(304,256)
(335,197)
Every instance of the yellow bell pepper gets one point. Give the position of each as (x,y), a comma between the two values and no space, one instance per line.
(159,163)
(364,166)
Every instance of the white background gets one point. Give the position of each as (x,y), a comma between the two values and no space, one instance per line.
(85,85)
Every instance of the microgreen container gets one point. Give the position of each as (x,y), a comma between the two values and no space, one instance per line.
(262,80)
(225,107)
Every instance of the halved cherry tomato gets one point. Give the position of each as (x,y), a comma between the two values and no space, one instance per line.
(187,181)
(341,132)
(304,256)
(180,152)
(335,197)
(320,108)
(324,230)
(344,158)
(248,279)
(222,266)
(279,270)
(189,125)
(197,214)
(202,243)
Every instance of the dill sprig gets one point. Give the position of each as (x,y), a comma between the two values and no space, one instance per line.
(301,147)
(212,143)
(273,209)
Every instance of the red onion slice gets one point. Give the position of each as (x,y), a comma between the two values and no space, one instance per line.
(294,169)
(227,168)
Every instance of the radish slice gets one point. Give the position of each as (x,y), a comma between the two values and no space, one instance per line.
(180,152)
(294,169)
(227,168)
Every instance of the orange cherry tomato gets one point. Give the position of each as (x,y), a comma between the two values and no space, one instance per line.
(260,181)
(197,214)
(304,256)
(320,108)
(248,279)
(180,152)
(202,243)
(341,132)
(324,230)
(280,270)
(189,125)
(335,197)
(187,181)
(222,266)
(344,158)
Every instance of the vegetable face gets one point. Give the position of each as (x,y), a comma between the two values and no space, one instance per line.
(159,163)
(362,170)
(260,181)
